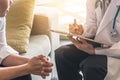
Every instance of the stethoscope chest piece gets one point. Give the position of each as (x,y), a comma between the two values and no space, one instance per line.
(114,33)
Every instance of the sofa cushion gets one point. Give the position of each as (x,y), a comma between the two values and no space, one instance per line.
(39,44)
(40,24)
(19,24)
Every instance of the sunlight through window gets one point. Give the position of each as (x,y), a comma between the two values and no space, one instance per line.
(68,10)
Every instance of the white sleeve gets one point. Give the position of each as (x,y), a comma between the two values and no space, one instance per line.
(5,50)
(113,51)
(90,27)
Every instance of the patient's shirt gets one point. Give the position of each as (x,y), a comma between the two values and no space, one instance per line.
(5,50)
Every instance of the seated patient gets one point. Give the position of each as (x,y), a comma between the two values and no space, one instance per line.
(11,63)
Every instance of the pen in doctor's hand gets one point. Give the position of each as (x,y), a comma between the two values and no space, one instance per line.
(75,28)
(75,23)
(72,27)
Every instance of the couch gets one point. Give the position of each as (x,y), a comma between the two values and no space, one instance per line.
(41,40)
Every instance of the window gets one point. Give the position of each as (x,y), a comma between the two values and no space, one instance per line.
(68,10)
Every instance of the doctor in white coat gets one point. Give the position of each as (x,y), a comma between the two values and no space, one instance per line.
(95,62)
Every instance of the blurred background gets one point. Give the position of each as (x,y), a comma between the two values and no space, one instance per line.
(68,10)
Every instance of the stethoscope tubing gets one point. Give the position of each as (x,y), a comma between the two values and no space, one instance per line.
(114,21)
(117,12)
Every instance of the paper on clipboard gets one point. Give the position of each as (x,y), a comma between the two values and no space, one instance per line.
(79,36)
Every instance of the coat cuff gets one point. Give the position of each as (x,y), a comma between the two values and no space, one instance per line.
(100,51)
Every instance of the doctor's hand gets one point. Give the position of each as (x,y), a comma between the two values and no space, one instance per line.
(83,45)
(75,28)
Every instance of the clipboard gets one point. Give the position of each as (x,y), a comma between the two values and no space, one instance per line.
(95,43)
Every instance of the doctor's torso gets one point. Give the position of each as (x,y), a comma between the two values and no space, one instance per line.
(105,23)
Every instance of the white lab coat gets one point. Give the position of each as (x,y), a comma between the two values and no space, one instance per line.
(100,26)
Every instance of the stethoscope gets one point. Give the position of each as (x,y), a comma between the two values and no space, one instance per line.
(114,32)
